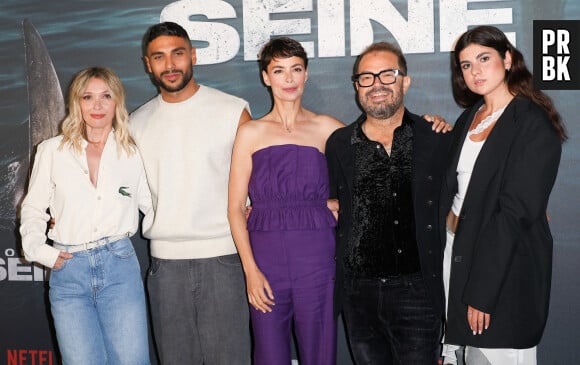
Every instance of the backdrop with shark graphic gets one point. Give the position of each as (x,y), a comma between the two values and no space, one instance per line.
(43,43)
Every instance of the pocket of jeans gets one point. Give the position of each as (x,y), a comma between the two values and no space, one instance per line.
(230,260)
(122,249)
(62,267)
(154,267)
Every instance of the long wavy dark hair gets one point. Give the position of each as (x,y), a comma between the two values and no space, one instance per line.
(518,79)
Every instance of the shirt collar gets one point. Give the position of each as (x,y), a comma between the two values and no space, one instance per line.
(358,135)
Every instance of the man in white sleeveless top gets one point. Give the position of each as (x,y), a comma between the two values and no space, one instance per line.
(185,136)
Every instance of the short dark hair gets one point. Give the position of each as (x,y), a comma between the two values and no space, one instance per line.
(282,47)
(161,29)
(382,47)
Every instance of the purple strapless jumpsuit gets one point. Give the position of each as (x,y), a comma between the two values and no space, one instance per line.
(293,241)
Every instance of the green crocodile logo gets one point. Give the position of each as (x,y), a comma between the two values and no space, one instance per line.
(123,191)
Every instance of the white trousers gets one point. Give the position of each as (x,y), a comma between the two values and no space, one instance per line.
(475,355)
(448,352)
(482,356)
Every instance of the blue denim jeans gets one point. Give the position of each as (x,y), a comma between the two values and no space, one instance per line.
(391,321)
(200,312)
(98,305)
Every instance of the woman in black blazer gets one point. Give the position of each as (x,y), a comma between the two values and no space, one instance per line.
(503,164)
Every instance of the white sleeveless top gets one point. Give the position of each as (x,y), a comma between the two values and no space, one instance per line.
(467,158)
(186,149)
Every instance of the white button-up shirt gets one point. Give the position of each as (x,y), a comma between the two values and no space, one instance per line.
(83,213)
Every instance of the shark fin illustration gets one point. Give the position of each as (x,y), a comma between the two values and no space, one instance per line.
(46,110)
(45,98)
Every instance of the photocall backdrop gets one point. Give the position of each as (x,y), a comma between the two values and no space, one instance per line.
(228,34)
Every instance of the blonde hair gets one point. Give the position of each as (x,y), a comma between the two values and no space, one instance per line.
(73,126)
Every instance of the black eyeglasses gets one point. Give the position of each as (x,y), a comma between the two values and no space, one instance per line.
(386,77)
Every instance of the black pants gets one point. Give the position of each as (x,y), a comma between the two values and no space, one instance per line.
(391,321)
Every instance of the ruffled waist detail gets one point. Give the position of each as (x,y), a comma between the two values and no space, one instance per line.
(290,215)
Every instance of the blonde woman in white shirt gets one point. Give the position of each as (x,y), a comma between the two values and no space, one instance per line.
(91,181)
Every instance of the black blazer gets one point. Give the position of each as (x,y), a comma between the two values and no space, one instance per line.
(502,253)
(429,156)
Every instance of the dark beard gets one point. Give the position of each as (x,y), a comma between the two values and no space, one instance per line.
(187,76)
(384,110)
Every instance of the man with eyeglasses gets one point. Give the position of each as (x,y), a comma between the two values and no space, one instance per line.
(385,172)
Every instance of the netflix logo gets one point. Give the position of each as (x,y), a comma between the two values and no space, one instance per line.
(30,357)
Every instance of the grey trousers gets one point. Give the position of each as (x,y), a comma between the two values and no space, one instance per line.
(199,311)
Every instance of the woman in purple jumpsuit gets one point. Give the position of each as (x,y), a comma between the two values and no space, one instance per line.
(287,242)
